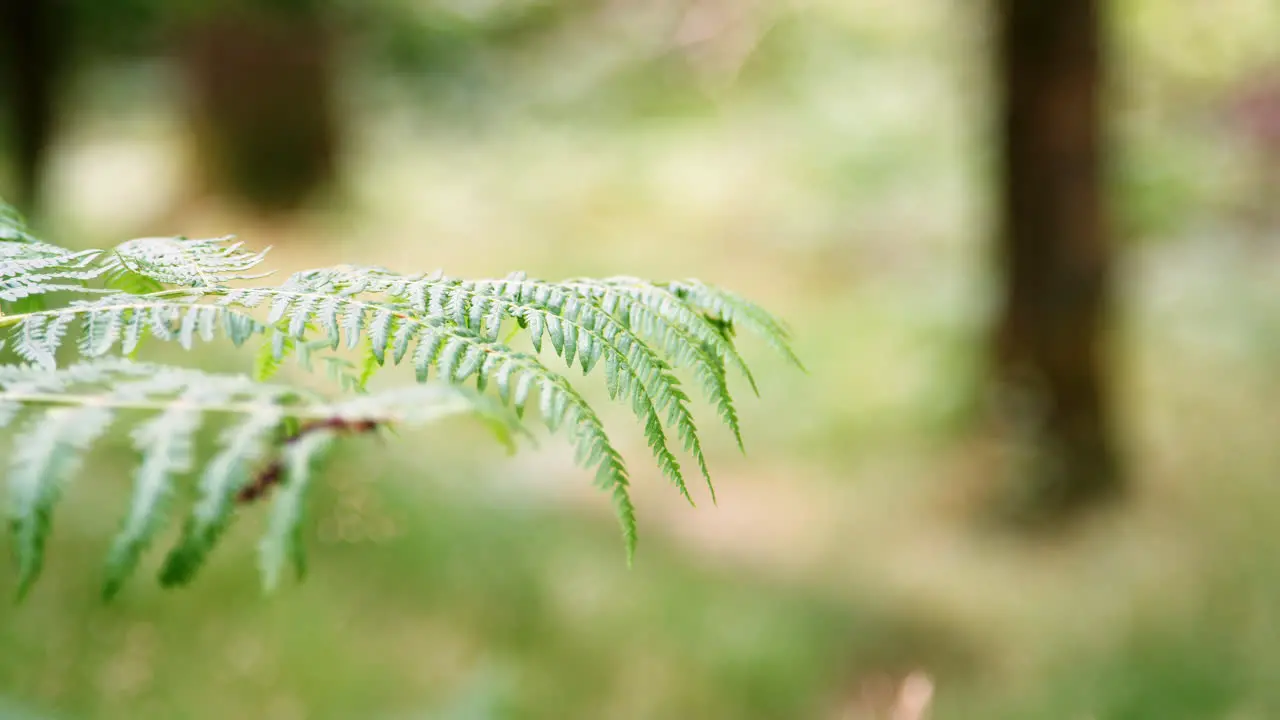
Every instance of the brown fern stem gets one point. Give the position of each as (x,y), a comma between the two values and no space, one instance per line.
(273,473)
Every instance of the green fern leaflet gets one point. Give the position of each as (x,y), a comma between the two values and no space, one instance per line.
(71,323)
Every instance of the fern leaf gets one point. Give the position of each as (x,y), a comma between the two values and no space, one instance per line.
(139,266)
(31,268)
(43,458)
(166,445)
(655,311)
(224,475)
(576,326)
(687,337)
(283,541)
(271,356)
(639,332)
(119,320)
(684,334)
(458,352)
(561,405)
(730,308)
(200,263)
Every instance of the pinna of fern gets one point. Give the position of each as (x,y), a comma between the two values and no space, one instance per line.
(452,331)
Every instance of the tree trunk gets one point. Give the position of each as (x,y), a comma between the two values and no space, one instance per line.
(33,48)
(1055,248)
(261,83)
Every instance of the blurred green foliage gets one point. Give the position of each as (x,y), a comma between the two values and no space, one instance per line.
(422,600)
(843,172)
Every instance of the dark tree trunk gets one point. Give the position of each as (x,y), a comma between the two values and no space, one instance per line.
(1055,247)
(33,51)
(260,83)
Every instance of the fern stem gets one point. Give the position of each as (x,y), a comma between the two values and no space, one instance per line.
(116,403)
(151,405)
(8,320)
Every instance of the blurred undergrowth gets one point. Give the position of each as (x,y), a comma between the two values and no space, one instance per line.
(839,175)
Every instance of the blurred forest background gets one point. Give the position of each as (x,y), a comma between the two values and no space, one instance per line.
(1029,250)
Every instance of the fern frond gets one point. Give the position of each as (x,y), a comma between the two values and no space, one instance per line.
(68,409)
(730,308)
(687,337)
(46,453)
(689,321)
(242,446)
(637,333)
(575,329)
(457,354)
(166,444)
(690,328)
(282,544)
(184,262)
(137,266)
(121,321)
(29,268)
(687,301)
